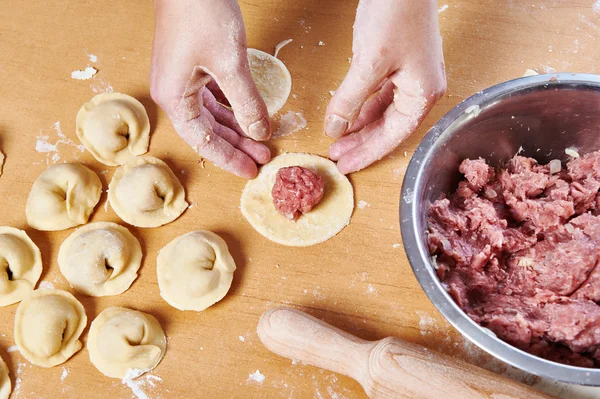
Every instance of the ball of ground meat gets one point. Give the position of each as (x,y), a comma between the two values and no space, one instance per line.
(296,191)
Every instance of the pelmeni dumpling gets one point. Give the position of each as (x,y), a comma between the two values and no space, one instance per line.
(47,327)
(195,270)
(100,259)
(124,342)
(114,127)
(62,196)
(20,265)
(146,193)
(5,385)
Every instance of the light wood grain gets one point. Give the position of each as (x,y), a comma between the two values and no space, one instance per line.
(357,281)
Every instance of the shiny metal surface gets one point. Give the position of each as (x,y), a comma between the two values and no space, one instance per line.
(542,115)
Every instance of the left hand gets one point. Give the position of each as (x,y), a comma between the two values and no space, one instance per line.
(396,76)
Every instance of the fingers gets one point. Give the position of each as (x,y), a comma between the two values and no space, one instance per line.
(349,98)
(374,107)
(220,113)
(248,106)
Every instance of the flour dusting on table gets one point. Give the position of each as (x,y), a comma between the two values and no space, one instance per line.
(84,74)
(257,376)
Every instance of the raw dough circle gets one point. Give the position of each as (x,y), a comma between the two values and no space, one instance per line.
(146,193)
(195,270)
(47,327)
(272,79)
(5,385)
(124,342)
(114,127)
(63,196)
(22,258)
(100,259)
(323,222)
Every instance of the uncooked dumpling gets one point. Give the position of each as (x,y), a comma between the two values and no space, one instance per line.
(20,265)
(272,79)
(146,193)
(5,385)
(124,342)
(114,127)
(100,259)
(62,196)
(323,222)
(47,327)
(195,270)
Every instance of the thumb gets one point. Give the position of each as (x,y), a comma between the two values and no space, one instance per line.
(248,106)
(346,103)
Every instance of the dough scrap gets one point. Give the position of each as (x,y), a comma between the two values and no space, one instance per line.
(47,327)
(1,162)
(195,270)
(5,384)
(272,79)
(323,222)
(146,193)
(122,339)
(114,128)
(20,265)
(63,196)
(100,259)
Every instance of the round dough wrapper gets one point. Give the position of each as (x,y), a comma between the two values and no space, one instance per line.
(272,79)
(323,222)
(20,265)
(63,196)
(146,193)
(5,385)
(114,127)
(195,270)
(100,259)
(48,325)
(124,342)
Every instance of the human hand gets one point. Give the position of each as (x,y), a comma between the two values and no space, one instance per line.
(199,52)
(396,76)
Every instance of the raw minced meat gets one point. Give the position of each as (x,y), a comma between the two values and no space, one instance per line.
(296,191)
(518,248)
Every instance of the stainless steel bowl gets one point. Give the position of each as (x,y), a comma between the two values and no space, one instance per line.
(541,115)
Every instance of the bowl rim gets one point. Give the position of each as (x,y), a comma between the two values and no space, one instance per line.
(420,259)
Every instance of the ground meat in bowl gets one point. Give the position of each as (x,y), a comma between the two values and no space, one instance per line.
(518,249)
(296,191)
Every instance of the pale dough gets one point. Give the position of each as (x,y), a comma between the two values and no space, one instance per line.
(20,265)
(323,222)
(48,325)
(62,196)
(1,162)
(195,270)
(125,342)
(5,385)
(146,193)
(272,79)
(114,127)
(100,259)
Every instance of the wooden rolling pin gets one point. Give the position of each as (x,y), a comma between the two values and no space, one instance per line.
(389,368)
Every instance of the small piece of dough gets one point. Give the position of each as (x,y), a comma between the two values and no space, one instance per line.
(272,79)
(47,327)
(5,384)
(100,259)
(63,196)
(1,162)
(146,193)
(195,270)
(114,127)
(123,340)
(20,265)
(323,222)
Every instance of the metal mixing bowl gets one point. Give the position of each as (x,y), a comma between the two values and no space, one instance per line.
(540,116)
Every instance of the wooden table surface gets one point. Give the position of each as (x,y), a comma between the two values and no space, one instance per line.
(359,281)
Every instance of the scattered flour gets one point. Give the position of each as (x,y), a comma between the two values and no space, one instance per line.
(136,384)
(427,324)
(93,58)
(44,146)
(18,378)
(242,338)
(290,123)
(65,374)
(46,285)
(321,43)
(362,204)
(13,348)
(396,245)
(101,86)
(596,6)
(257,376)
(84,74)
(371,289)
(443,8)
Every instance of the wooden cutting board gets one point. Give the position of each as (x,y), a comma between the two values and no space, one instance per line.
(359,281)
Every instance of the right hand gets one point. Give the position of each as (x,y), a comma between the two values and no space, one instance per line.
(199,53)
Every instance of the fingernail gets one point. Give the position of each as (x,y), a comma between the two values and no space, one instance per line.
(260,130)
(335,126)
